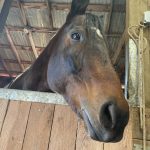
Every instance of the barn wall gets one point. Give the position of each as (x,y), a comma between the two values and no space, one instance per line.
(136,11)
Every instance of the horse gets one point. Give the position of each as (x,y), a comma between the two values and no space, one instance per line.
(77,65)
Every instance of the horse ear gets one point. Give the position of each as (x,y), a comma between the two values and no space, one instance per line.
(78,7)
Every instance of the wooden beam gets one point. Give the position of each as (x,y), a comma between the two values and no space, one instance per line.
(109,17)
(119,49)
(14,48)
(66,6)
(32,96)
(25,22)
(15,61)
(32,44)
(50,14)
(32,29)
(22,47)
(23,15)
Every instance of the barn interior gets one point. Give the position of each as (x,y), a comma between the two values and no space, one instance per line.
(32,23)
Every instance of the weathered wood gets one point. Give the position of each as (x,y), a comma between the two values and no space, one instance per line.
(84,142)
(32,96)
(14,48)
(63,135)
(137,131)
(125,143)
(138,145)
(32,44)
(14,127)
(3,111)
(39,127)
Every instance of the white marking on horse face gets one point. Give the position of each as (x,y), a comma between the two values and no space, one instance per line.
(97,31)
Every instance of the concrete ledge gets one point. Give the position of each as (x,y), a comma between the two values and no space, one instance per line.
(31,96)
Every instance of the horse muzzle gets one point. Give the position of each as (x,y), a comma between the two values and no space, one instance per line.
(107,125)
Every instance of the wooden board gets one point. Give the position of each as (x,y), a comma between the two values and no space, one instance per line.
(64,129)
(137,132)
(84,142)
(3,110)
(138,145)
(13,131)
(39,127)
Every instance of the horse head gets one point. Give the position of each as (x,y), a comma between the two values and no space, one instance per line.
(80,69)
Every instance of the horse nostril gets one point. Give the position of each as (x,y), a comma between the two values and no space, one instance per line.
(108,115)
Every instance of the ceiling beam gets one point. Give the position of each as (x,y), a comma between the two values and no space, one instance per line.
(15,61)
(32,44)
(66,6)
(48,30)
(50,14)
(14,48)
(21,47)
(25,22)
(107,27)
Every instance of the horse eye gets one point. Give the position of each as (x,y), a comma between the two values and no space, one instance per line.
(75,36)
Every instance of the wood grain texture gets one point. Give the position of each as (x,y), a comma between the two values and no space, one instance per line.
(84,142)
(13,131)
(137,132)
(39,127)
(3,110)
(64,129)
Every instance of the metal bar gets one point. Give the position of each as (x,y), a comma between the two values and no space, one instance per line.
(126,70)
(31,96)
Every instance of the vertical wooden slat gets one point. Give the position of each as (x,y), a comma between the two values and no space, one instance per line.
(14,126)
(39,127)
(3,111)
(84,142)
(63,136)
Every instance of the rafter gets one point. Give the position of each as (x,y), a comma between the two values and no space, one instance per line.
(66,6)
(109,17)
(50,14)
(25,22)
(14,48)
(32,44)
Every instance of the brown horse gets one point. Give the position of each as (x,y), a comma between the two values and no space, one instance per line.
(76,65)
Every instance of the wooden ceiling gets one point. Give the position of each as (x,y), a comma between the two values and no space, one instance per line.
(32,23)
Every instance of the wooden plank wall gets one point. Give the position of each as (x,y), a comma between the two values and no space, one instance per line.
(136,11)
(35,126)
